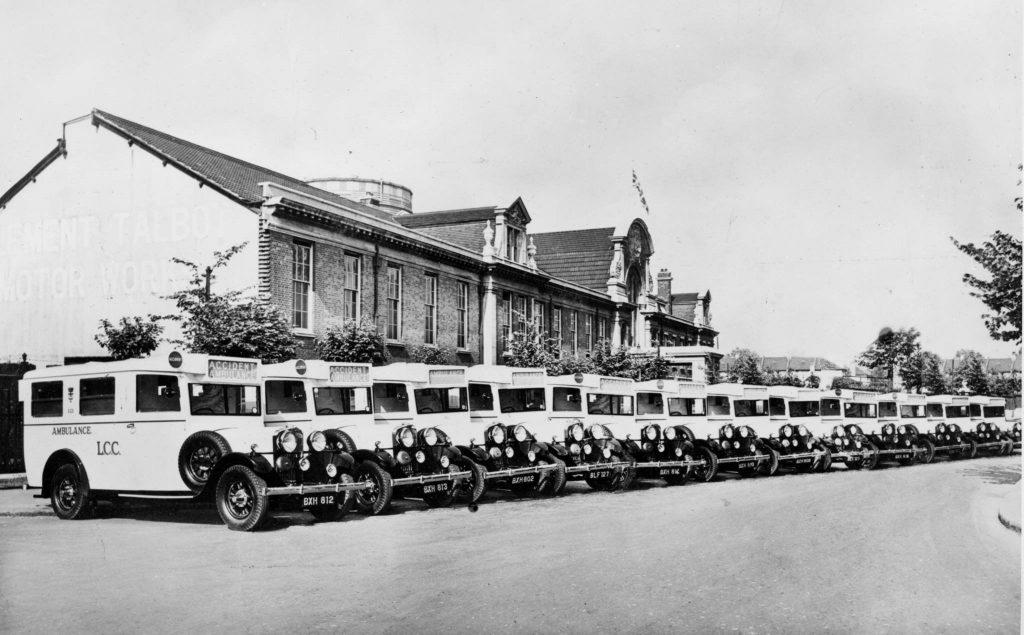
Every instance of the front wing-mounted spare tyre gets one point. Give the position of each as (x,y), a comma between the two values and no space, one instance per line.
(771,466)
(199,455)
(552,482)
(69,493)
(241,499)
(377,498)
(927,449)
(472,489)
(340,440)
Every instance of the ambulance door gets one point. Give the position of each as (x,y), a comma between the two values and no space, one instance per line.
(156,431)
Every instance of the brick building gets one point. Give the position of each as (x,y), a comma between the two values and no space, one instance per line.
(346,248)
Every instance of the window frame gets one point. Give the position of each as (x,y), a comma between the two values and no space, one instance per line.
(35,403)
(302,316)
(462,314)
(355,302)
(574,318)
(393,304)
(430,285)
(556,329)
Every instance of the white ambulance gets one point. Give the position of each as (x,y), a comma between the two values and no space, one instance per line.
(988,419)
(733,410)
(421,414)
(890,441)
(181,426)
(790,410)
(688,412)
(949,418)
(661,447)
(505,405)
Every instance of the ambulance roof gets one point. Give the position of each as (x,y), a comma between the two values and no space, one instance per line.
(903,397)
(507,375)
(420,374)
(795,393)
(334,372)
(959,400)
(739,390)
(190,363)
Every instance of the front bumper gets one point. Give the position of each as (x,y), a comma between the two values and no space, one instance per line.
(520,471)
(756,458)
(431,478)
(586,468)
(289,490)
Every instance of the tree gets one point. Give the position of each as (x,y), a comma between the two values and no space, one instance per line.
(969,371)
(612,362)
(647,368)
(1000,256)
(433,355)
(351,341)
(891,351)
(132,337)
(1004,386)
(933,379)
(812,381)
(782,379)
(746,367)
(528,349)
(226,323)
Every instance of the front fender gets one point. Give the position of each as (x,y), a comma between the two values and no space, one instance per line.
(478,454)
(555,450)
(255,462)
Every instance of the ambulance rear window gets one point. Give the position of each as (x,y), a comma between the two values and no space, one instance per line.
(46,398)
(285,396)
(935,410)
(686,407)
(650,403)
(338,400)
(566,400)
(804,408)
(224,399)
(886,408)
(390,398)
(718,405)
(995,411)
(975,409)
(520,399)
(96,396)
(157,393)
(912,412)
(481,398)
(777,406)
(600,404)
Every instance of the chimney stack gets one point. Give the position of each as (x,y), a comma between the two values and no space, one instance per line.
(665,285)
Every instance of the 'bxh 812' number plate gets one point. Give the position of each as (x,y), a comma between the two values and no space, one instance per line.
(319,500)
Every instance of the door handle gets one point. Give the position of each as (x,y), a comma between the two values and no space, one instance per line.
(131,426)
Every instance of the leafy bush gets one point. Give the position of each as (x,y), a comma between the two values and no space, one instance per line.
(433,355)
(132,337)
(351,341)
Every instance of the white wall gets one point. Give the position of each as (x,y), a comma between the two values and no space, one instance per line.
(92,238)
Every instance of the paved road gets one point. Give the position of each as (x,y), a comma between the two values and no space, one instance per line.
(899,550)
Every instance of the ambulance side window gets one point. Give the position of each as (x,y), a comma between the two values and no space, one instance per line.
(566,399)
(390,398)
(777,406)
(157,393)
(96,396)
(481,398)
(285,396)
(46,398)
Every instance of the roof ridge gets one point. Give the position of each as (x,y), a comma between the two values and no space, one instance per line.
(117,119)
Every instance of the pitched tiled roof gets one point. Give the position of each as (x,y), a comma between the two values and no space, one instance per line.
(775,364)
(468,235)
(1002,364)
(447,217)
(683,305)
(233,177)
(582,256)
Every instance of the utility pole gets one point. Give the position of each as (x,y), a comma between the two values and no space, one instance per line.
(209,271)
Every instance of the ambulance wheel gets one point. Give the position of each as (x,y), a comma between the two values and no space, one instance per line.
(552,482)
(927,451)
(680,479)
(472,489)
(771,466)
(913,456)
(377,499)
(199,454)
(340,441)
(972,450)
(870,462)
(709,469)
(442,499)
(241,500)
(1007,447)
(627,474)
(336,512)
(605,483)
(69,494)
(824,464)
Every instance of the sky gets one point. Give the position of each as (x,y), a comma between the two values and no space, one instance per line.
(806,162)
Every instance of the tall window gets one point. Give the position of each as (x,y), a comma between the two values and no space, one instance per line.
(506,329)
(521,313)
(513,243)
(602,329)
(350,282)
(302,278)
(394,330)
(588,331)
(538,316)
(556,330)
(573,318)
(430,309)
(462,312)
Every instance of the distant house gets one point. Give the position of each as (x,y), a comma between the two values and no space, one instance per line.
(800,367)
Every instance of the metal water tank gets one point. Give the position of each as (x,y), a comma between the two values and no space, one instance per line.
(386,195)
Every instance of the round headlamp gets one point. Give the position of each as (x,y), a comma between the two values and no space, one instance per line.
(670,433)
(903,429)
(679,452)
(599,431)
(726,445)
(407,437)
(727,432)
(498,434)
(494,452)
(520,433)
(420,456)
(575,448)
(907,443)
(576,431)
(587,448)
(509,452)
(531,456)
(403,457)
(785,443)
(838,431)
(607,453)
(332,470)
(430,436)
(941,428)
(651,433)
(787,431)
(445,462)
(803,431)
(854,430)
(317,441)
(858,443)
(743,432)
(288,441)
(304,463)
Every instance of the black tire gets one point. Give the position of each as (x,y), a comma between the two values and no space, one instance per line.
(604,484)
(198,456)
(377,499)
(552,482)
(709,470)
(339,440)
(341,508)
(627,474)
(239,502)
(472,489)
(927,451)
(69,494)
(972,450)
(680,479)
(824,464)
(769,467)
(913,456)
(442,499)
(871,461)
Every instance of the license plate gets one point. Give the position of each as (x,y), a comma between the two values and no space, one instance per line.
(319,500)
(743,466)
(601,474)
(900,457)
(442,487)
(524,479)
(670,471)
(806,459)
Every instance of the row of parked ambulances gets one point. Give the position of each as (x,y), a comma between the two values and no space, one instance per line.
(328,437)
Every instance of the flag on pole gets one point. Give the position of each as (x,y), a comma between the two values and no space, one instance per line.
(640,191)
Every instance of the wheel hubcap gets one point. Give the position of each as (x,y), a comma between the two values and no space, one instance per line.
(202,460)
(66,493)
(240,500)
